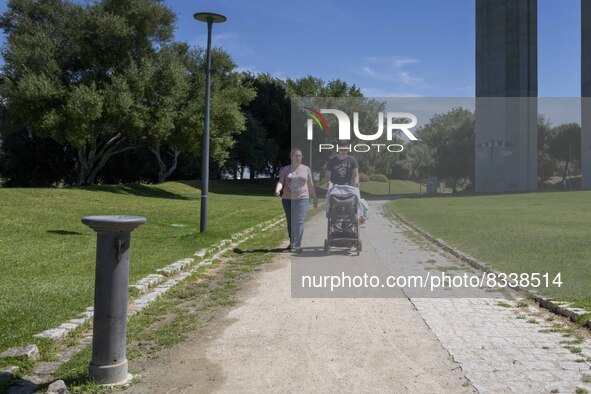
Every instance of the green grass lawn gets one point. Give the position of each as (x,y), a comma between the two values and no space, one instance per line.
(535,232)
(396,187)
(47,255)
(375,188)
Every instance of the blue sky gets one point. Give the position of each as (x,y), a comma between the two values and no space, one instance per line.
(386,47)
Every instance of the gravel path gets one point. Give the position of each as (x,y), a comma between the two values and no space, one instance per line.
(279,339)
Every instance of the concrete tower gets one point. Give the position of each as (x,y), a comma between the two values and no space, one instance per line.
(586,93)
(506,91)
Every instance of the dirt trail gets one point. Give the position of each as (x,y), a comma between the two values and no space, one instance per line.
(274,343)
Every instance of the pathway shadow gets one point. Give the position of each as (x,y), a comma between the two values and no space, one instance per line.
(11,385)
(318,251)
(275,250)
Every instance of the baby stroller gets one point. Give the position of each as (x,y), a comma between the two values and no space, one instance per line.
(343,218)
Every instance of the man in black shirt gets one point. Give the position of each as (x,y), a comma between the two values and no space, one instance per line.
(342,169)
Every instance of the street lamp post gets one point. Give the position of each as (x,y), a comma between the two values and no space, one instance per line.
(210,18)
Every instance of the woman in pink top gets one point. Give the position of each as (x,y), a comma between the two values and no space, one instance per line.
(296,182)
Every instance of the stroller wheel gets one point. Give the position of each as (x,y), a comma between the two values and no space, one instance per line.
(326,247)
(359,247)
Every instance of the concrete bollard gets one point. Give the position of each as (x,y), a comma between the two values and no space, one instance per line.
(109,362)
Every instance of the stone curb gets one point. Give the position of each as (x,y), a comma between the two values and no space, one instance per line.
(154,280)
(61,331)
(562,309)
(159,282)
(559,308)
(29,352)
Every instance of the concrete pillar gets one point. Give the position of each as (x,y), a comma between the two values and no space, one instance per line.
(506,91)
(109,362)
(586,93)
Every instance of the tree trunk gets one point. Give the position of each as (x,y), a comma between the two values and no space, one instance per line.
(241,172)
(83,170)
(161,166)
(175,156)
(252,172)
(93,156)
(163,173)
(565,172)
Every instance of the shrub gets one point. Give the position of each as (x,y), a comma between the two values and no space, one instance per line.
(364,178)
(379,177)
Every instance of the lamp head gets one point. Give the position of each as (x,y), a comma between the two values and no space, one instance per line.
(209,17)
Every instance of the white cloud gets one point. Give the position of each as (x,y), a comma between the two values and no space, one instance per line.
(394,61)
(407,78)
(367,70)
(400,62)
(392,76)
(404,78)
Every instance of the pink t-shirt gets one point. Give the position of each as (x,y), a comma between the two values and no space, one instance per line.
(295,183)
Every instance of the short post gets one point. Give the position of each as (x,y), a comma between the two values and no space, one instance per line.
(109,362)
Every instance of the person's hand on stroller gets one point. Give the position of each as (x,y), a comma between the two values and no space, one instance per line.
(355,178)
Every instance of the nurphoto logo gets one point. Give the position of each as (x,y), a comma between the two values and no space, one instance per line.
(395,121)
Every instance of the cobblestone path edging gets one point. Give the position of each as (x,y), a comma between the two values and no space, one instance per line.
(560,308)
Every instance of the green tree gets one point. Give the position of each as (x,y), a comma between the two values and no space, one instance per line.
(314,92)
(316,87)
(162,81)
(417,163)
(230,92)
(565,145)
(175,90)
(73,72)
(451,138)
(271,112)
(264,146)
(253,150)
